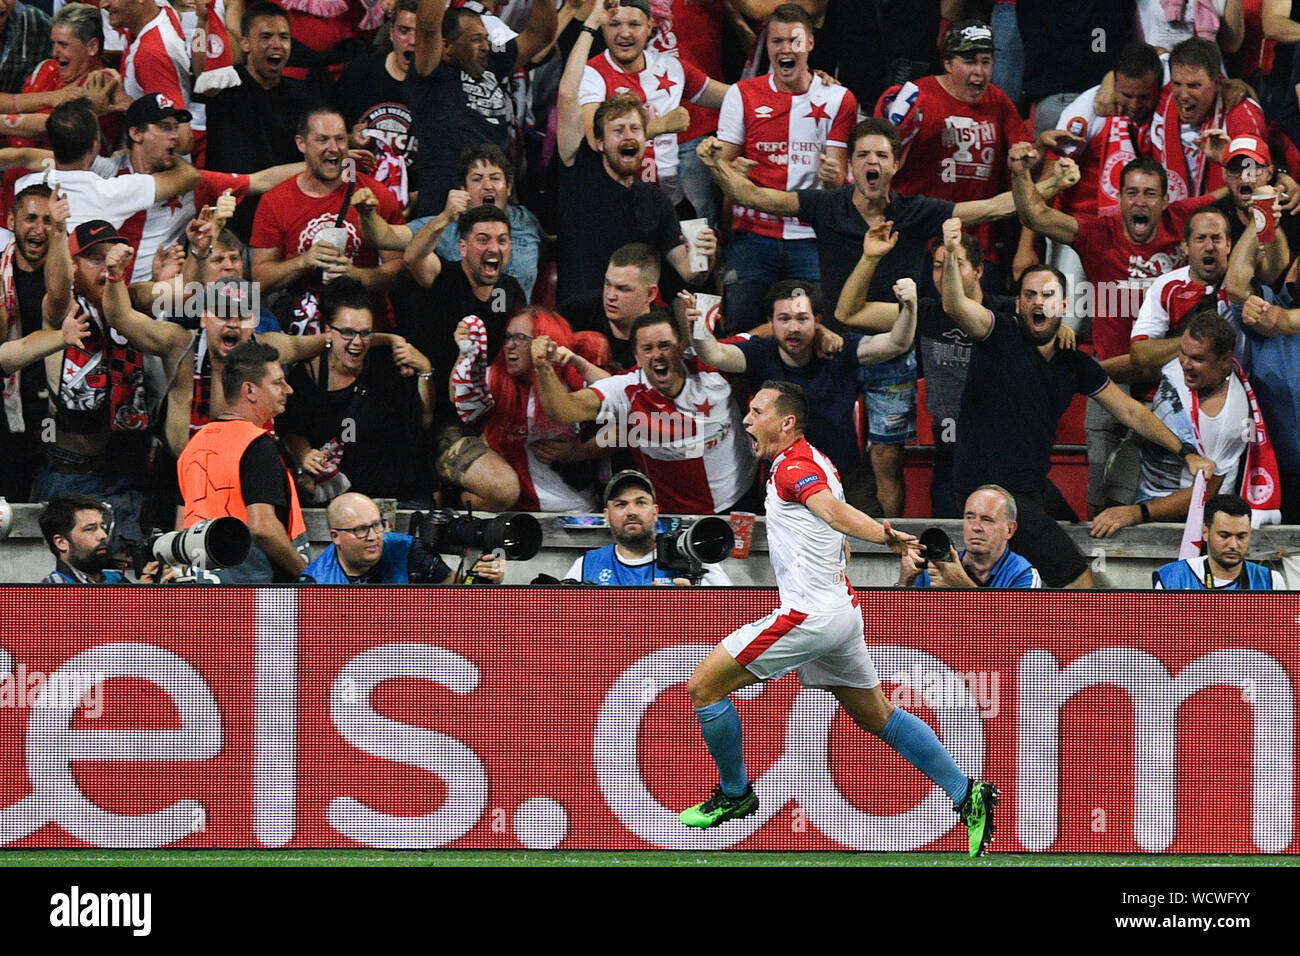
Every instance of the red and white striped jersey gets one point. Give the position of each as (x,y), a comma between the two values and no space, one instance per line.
(692,447)
(1168,301)
(158,61)
(1109,147)
(665,84)
(807,554)
(785,133)
(164,222)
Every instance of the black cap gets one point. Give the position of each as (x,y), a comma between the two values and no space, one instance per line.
(92,233)
(969,36)
(154,108)
(625,478)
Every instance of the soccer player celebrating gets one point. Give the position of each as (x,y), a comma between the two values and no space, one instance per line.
(816,630)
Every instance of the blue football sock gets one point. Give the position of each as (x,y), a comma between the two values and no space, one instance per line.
(916,742)
(721,727)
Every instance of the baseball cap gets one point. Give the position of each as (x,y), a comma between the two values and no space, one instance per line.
(623,479)
(92,233)
(644,7)
(1250,147)
(969,36)
(154,108)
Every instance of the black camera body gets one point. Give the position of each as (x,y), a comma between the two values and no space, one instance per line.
(687,550)
(935,545)
(515,533)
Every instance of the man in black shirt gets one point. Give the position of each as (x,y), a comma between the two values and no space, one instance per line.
(252,126)
(630,290)
(603,203)
(1018,387)
(459,89)
(371,94)
(476,285)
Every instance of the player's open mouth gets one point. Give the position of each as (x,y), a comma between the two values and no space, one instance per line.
(786,63)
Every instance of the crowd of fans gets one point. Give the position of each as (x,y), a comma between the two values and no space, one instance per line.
(262,257)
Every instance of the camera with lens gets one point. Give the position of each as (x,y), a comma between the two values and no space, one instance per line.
(516,534)
(688,549)
(935,545)
(215,543)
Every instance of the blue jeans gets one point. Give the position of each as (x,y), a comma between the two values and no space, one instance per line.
(120,494)
(696,181)
(753,264)
(1008,53)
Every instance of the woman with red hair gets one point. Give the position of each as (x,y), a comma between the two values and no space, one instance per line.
(527,461)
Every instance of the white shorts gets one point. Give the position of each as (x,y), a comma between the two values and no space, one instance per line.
(828,650)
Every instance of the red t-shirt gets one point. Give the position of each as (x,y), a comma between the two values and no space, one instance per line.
(692,31)
(1120,270)
(959,151)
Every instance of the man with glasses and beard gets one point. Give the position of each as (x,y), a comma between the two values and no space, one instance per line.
(363,551)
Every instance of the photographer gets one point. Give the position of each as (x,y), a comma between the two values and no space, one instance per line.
(988,522)
(364,552)
(631,513)
(75,528)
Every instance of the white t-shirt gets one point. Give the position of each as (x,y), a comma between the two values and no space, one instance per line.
(92,196)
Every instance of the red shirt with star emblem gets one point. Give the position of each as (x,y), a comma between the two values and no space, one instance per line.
(693,448)
(785,133)
(664,84)
(164,222)
(288,219)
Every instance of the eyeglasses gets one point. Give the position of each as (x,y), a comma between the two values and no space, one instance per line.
(518,338)
(364,531)
(350,334)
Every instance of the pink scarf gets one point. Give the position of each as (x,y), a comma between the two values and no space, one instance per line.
(13,397)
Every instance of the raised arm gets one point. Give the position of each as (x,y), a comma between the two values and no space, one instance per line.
(375,229)
(881,348)
(428,36)
(724,357)
(1003,205)
(539,33)
(58,264)
(569,129)
(36,345)
(170,183)
(774,202)
(1032,208)
(142,331)
(561,405)
(853,308)
(421,255)
(973,319)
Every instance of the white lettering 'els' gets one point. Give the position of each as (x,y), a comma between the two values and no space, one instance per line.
(76,909)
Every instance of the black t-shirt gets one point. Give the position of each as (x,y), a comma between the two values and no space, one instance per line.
(383,406)
(586,313)
(945,352)
(840,229)
(29,287)
(263,478)
(427,318)
(1013,402)
(831,385)
(597,214)
(250,128)
(367,92)
(452,111)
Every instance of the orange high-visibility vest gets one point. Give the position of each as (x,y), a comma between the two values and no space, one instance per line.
(208,471)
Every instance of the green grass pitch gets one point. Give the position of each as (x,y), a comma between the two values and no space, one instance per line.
(623,858)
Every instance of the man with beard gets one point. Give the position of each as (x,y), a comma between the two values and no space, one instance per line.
(794,308)
(286,252)
(632,516)
(1020,384)
(371,95)
(101,416)
(252,126)
(603,202)
(1226,532)
(1247,166)
(663,81)
(459,89)
(1121,255)
(1171,298)
(677,415)
(1202,401)
(75,528)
